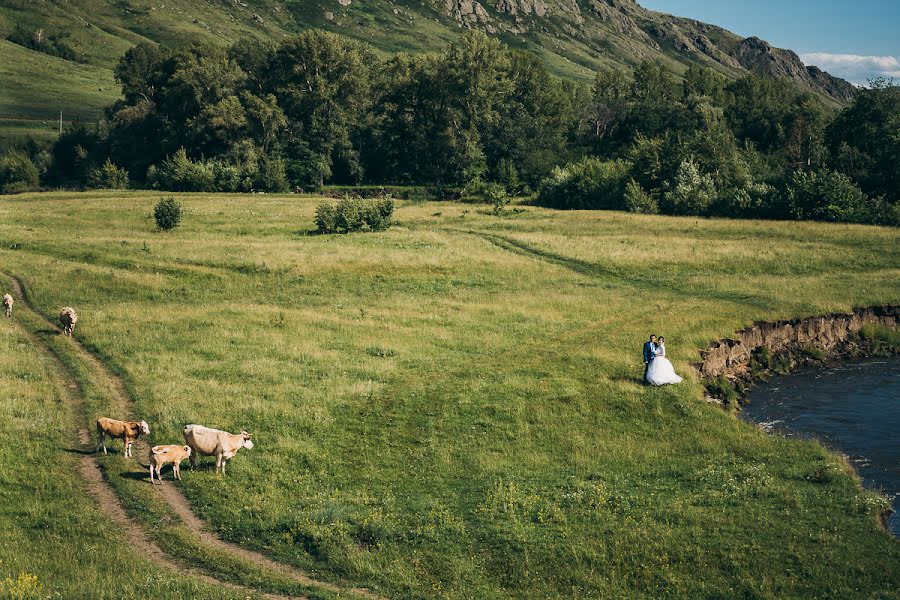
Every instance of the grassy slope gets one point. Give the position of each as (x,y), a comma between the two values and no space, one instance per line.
(51,528)
(35,87)
(452,408)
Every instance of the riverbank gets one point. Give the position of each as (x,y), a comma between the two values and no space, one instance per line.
(849,407)
(730,367)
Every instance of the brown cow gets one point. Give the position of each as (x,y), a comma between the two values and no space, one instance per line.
(127,431)
(68,317)
(8,304)
(213,442)
(161,456)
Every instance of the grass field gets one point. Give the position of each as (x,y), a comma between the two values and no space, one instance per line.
(450,408)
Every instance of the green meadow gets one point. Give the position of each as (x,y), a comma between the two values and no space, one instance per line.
(451,408)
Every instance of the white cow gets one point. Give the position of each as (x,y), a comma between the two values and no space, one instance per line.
(8,304)
(213,442)
(161,456)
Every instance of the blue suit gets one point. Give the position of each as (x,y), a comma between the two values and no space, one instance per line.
(649,355)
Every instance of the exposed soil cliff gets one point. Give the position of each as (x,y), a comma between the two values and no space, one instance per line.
(828,336)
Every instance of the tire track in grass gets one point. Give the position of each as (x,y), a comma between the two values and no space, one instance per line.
(610,275)
(91,475)
(122,401)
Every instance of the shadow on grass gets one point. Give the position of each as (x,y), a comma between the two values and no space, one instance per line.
(81,451)
(137,475)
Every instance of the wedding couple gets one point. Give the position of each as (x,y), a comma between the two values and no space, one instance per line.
(658,370)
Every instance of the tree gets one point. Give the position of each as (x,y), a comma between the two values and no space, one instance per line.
(690,193)
(864,140)
(322,82)
(827,196)
(608,107)
(17,173)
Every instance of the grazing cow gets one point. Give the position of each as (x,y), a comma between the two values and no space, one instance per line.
(212,442)
(161,456)
(68,317)
(127,431)
(7,304)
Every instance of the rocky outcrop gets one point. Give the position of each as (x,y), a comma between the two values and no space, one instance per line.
(758,56)
(467,12)
(731,357)
(837,88)
(538,8)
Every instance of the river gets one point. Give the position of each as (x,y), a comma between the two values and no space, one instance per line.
(853,407)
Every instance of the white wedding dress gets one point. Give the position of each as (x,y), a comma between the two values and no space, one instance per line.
(661,371)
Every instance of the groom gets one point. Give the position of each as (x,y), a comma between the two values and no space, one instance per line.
(649,354)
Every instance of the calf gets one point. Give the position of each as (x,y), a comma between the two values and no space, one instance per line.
(127,431)
(68,317)
(161,456)
(212,442)
(7,304)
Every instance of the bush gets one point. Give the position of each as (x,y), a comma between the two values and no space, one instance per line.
(108,177)
(752,200)
(639,201)
(168,213)
(494,194)
(179,173)
(350,215)
(17,173)
(690,192)
(589,184)
(827,196)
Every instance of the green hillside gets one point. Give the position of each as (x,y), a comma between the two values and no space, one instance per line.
(448,409)
(573,38)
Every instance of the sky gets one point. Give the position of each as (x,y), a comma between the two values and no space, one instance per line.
(853,39)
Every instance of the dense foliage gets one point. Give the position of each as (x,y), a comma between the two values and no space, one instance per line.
(319,108)
(168,213)
(39,40)
(17,173)
(354,214)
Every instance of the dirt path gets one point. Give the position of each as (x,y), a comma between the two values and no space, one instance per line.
(121,399)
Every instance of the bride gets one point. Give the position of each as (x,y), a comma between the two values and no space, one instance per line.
(661,371)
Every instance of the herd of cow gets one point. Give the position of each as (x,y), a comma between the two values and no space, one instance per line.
(199,440)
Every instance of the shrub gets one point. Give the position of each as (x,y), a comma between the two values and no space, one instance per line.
(752,200)
(168,213)
(350,215)
(178,173)
(490,192)
(690,192)
(588,184)
(108,176)
(725,390)
(639,201)
(270,175)
(498,197)
(17,173)
(827,196)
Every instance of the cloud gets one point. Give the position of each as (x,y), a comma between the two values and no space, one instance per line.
(853,67)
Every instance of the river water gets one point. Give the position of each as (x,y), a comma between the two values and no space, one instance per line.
(852,407)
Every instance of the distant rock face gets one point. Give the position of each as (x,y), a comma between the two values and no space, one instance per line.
(467,12)
(523,7)
(759,57)
(624,27)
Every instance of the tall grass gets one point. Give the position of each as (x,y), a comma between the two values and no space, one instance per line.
(453,408)
(56,542)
